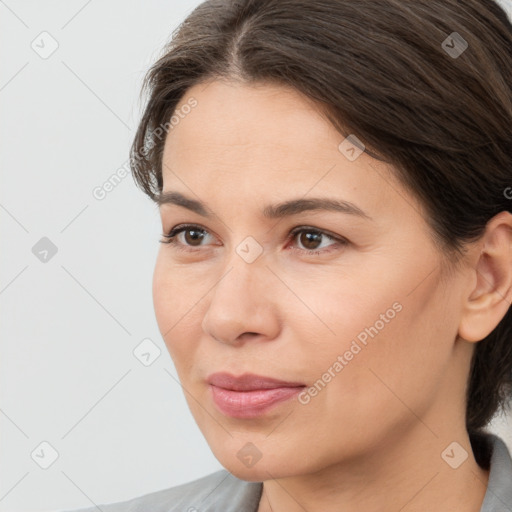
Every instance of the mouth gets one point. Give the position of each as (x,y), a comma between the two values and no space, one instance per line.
(250,395)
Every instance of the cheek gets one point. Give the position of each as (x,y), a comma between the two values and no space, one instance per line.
(162,296)
(177,295)
(169,301)
(379,328)
(174,292)
(389,368)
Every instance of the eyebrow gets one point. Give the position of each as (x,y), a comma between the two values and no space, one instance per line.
(287,208)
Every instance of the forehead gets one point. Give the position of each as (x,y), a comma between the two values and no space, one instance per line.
(236,119)
(268,140)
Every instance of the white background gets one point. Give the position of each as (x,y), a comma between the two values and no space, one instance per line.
(70,325)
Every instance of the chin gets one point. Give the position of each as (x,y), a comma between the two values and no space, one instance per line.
(249,475)
(267,468)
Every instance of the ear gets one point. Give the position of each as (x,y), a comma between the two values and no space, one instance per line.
(490,292)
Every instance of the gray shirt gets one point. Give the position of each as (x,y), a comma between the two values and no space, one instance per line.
(223,492)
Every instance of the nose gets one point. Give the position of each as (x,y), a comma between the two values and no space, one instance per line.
(243,305)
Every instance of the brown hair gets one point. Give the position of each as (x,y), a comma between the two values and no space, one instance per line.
(380,69)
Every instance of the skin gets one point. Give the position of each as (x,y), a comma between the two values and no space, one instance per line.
(372,438)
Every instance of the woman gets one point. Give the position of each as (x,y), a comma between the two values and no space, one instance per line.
(334,283)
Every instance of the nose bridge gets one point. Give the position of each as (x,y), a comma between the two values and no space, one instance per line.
(242,285)
(246,265)
(241,300)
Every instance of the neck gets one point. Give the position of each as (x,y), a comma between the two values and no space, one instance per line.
(405,472)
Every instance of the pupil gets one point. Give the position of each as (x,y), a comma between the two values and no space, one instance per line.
(311,237)
(194,238)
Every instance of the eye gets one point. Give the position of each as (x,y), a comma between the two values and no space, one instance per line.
(197,235)
(310,238)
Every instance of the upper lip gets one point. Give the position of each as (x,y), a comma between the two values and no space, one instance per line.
(248,381)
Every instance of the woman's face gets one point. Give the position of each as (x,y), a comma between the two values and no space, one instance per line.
(351,307)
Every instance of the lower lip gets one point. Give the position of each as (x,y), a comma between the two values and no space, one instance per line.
(251,404)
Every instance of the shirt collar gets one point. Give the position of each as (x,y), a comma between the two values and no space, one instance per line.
(498,497)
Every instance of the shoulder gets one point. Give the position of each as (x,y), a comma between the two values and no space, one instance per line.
(499,488)
(220,491)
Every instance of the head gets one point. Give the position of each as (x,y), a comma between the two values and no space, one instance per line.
(400,294)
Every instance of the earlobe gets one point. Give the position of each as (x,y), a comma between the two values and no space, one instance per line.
(490,295)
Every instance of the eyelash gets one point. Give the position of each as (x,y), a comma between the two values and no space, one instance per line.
(171,238)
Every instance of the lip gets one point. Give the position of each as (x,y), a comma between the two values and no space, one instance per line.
(249,395)
(248,382)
